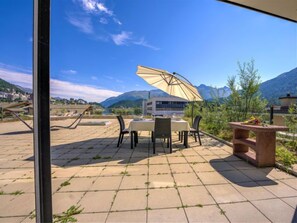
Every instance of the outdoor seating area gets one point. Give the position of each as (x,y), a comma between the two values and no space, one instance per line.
(201,183)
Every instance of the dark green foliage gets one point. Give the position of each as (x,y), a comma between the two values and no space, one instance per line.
(67,216)
(280,86)
(7,87)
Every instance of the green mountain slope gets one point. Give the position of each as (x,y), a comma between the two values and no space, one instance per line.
(280,86)
(8,87)
(127,104)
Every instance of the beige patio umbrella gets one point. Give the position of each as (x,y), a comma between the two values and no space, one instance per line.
(172,83)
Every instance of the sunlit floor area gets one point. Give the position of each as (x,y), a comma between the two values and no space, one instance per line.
(106,183)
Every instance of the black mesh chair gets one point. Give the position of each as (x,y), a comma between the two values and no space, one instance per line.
(194,129)
(124,131)
(162,130)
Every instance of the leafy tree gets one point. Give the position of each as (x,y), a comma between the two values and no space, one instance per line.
(245,97)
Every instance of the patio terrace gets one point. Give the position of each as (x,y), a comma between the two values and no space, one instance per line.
(198,184)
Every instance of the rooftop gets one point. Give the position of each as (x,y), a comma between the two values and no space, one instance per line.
(201,183)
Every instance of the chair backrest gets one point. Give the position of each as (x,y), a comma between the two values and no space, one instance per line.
(162,127)
(197,122)
(121,121)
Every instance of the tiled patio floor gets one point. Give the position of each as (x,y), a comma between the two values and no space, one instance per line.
(198,184)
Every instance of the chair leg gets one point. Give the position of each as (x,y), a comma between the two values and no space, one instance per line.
(135,138)
(152,136)
(170,143)
(181,136)
(195,136)
(199,138)
(154,145)
(119,140)
(122,138)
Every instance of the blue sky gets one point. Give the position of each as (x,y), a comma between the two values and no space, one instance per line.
(96,45)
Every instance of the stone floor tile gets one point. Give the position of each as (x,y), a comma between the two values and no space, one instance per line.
(277,173)
(163,198)
(291,182)
(279,189)
(195,159)
(24,185)
(292,201)
(225,193)
(167,215)
(276,210)
(127,216)
(21,205)
(205,214)
(202,167)
(63,201)
(89,172)
(221,166)
(159,169)
(161,180)
(135,170)
(235,176)
(66,172)
(130,200)
(186,179)
(113,171)
(213,158)
(134,182)
(211,178)
(99,201)
(11,220)
(158,160)
(92,217)
(106,183)
(78,184)
(243,212)
(181,168)
(253,191)
(241,165)
(196,195)
(178,159)
(257,175)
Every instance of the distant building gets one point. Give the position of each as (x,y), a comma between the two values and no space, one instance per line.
(287,101)
(161,106)
(283,109)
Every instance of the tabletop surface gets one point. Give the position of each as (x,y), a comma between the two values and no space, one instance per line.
(265,128)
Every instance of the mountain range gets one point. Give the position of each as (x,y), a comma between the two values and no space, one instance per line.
(271,90)
(206,92)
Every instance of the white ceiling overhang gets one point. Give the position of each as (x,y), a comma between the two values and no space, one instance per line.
(285,9)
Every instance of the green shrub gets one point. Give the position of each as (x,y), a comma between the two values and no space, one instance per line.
(285,157)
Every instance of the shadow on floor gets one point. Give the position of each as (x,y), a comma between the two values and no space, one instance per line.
(103,151)
(241,176)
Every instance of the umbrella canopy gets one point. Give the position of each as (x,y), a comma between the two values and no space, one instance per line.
(171,83)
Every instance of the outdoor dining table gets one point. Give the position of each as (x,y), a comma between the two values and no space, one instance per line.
(149,124)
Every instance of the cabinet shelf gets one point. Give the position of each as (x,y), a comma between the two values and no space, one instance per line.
(248,142)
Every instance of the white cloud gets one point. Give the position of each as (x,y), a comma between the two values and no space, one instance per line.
(143,42)
(102,8)
(60,88)
(94,78)
(98,7)
(103,20)
(122,38)
(89,5)
(69,71)
(117,21)
(84,24)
